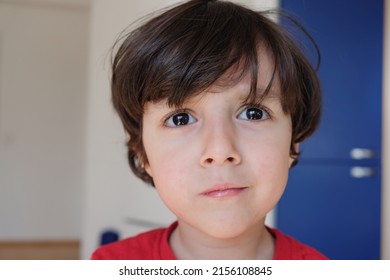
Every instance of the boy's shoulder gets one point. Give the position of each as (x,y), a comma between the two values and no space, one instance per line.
(288,248)
(150,245)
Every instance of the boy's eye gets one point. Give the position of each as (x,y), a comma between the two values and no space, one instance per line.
(253,114)
(180,119)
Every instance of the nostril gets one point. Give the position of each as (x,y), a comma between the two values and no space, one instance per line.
(210,160)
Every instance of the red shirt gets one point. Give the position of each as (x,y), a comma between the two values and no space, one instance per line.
(154,245)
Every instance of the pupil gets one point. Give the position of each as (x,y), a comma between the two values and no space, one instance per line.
(254,114)
(181,119)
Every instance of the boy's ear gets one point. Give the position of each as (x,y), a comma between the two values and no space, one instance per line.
(148,169)
(145,166)
(296,148)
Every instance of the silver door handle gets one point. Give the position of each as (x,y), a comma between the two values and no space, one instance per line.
(360,153)
(362,172)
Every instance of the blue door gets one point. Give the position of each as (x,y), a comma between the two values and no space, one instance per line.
(332,201)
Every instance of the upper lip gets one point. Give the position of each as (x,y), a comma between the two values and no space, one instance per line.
(222,187)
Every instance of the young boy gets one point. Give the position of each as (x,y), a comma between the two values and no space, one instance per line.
(215,99)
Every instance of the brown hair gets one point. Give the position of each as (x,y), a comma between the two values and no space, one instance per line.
(187,48)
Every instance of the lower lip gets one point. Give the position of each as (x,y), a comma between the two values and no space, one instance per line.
(225,193)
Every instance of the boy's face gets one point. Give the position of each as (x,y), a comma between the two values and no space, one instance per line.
(218,164)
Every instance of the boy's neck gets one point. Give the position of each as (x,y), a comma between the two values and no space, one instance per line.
(189,243)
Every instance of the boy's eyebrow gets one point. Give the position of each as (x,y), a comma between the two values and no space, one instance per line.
(259,97)
(244,97)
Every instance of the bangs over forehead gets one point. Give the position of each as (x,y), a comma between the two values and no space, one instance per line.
(205,44)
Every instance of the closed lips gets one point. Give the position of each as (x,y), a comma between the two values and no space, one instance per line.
(224,190)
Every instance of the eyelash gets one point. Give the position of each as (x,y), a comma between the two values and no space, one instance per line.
(186,111)
(172,114)
(256,106)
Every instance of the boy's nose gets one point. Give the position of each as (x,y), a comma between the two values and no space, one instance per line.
(219,146)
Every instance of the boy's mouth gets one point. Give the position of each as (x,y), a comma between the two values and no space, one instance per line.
(224,190)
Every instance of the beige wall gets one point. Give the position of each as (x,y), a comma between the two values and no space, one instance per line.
(42,111)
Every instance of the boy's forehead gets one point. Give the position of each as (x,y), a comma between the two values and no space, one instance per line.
(241,73)
(267,80)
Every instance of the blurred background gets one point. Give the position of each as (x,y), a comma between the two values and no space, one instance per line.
(64,177)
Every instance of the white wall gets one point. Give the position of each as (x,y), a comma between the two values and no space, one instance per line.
(42,111)
(113,193)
